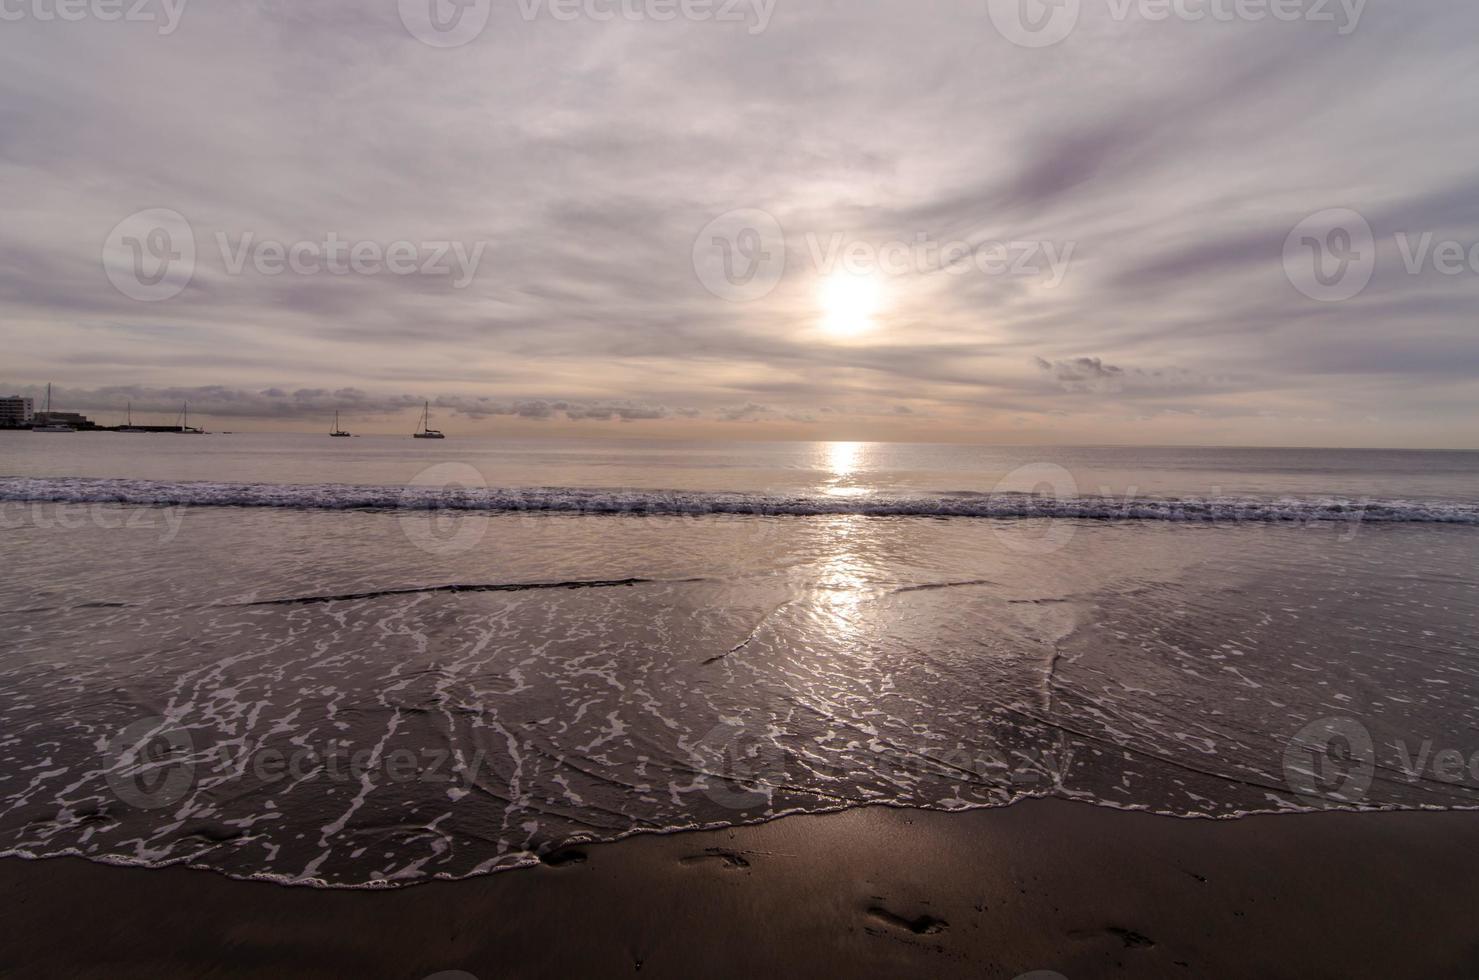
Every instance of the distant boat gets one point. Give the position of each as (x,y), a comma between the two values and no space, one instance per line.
(129,425)
(424,430)
(51,426)
(338,433)
(185,427)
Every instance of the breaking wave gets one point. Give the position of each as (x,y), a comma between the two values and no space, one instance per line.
(965,504)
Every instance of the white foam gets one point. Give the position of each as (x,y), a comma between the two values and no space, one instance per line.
(682,502)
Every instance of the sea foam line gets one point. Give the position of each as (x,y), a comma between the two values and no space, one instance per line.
(683,503)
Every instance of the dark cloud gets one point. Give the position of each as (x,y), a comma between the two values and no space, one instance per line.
(1092,374)
(745,413)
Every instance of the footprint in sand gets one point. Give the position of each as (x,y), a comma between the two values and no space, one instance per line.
(924,925)
(563,858)
(727,859)
(1129,937)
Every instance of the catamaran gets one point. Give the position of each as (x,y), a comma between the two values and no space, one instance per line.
(48,425)
(337,432)
(425,431)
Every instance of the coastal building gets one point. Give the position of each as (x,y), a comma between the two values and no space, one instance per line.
(16,411)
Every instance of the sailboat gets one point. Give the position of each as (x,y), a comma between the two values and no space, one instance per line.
(48,425)
(338,433)
(424,431)
(185,427)
(129,425)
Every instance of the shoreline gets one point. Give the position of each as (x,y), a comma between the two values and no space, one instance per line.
(1042,884)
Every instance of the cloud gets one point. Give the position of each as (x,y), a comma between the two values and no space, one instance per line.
(590,154)
(1084,374)
(748,412)
(1093,375)
(276,403)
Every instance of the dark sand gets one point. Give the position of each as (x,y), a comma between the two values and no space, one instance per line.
(1045,885)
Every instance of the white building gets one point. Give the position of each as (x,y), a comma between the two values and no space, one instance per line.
(15,410)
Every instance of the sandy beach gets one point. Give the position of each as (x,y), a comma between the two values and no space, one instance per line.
(1043,885)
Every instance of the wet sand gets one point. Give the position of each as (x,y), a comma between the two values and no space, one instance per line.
(1043,885)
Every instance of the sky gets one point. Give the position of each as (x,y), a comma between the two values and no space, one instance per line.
(1178,223)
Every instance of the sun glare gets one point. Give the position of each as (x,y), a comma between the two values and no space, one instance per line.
(849,303)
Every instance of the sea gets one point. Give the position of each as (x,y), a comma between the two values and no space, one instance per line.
(378,661)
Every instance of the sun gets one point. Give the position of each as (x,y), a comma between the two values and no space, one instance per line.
(848,303)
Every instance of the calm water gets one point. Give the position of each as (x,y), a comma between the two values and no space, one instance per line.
(324,685)
(754,467)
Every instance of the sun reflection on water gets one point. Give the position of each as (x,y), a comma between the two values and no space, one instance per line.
(843,459)
(842,580)
(843,583)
